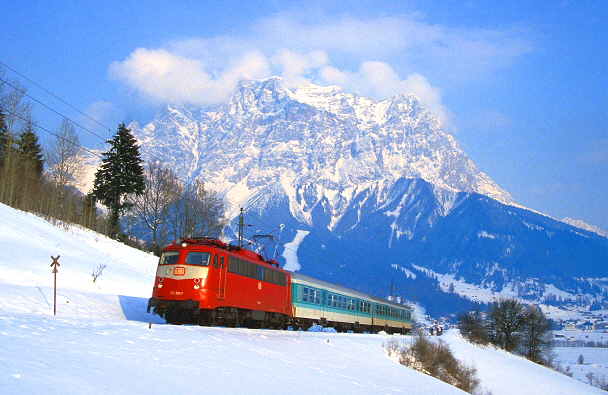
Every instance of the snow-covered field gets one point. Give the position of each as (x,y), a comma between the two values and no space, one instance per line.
(103,342)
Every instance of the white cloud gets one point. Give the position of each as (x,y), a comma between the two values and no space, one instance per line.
(379,57)
(378,79)
(161,76)
(296,68)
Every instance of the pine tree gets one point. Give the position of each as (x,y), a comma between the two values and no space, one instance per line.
(120,174)
(30,152)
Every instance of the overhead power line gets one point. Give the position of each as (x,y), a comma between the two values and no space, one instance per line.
(55,96)
(49,108)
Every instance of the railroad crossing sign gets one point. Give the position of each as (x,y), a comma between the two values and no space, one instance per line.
(55,271)
(55,263)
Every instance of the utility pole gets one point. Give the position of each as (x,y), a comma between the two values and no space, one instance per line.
(241,225)
(241,228)
(55,271)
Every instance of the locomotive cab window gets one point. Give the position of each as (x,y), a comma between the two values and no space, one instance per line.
(198,258)
(169,258)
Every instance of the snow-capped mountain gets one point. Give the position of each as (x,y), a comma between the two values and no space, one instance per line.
(371,191)
(315,135)
(585,226)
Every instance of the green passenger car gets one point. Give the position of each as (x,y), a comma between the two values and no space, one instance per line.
(322,303)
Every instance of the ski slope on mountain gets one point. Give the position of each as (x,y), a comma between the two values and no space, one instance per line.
(102,341)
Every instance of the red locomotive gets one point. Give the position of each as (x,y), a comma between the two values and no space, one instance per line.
(205,281)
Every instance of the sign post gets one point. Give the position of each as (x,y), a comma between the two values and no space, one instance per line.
(54,266)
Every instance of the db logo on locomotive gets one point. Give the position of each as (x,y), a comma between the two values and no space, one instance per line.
(179,271)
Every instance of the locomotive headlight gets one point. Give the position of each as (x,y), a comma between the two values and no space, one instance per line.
(160,285)
(196,286)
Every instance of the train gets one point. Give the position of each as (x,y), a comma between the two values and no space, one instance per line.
(205,281)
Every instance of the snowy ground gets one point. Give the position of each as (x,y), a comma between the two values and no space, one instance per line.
(595,361)
(101,340)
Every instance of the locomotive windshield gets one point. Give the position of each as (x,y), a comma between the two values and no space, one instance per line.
(169,257)
(198,258)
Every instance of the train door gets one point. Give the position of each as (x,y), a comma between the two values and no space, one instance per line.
(372,307)
(323,302)
(221,288)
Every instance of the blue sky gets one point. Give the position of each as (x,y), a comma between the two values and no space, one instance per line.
(522,86)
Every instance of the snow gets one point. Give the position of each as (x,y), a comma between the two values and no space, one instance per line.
(102,341)
(291,251)
(594,361)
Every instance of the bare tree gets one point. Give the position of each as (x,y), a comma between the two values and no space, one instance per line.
(64,158)
(507,320)
(162,192)
(535,337)
(472,328)
(201,211)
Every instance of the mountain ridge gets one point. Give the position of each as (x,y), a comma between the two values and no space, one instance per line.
(267,123)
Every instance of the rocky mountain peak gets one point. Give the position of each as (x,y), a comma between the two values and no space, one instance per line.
(314,134)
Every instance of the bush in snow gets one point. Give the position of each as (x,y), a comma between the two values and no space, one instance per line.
(472,328)
(435,358)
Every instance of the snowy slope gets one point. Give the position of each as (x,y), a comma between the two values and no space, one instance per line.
(101,341)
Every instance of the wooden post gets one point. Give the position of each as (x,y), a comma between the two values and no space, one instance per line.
(54,266)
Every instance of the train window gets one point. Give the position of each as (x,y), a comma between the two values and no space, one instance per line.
(252,270)
(260,273)
(305,294)
(198,258)
(233,265)
(242,267)
(169,257)
(268,275)
(215,260)
(317,297)
(350,305)
(279,278)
